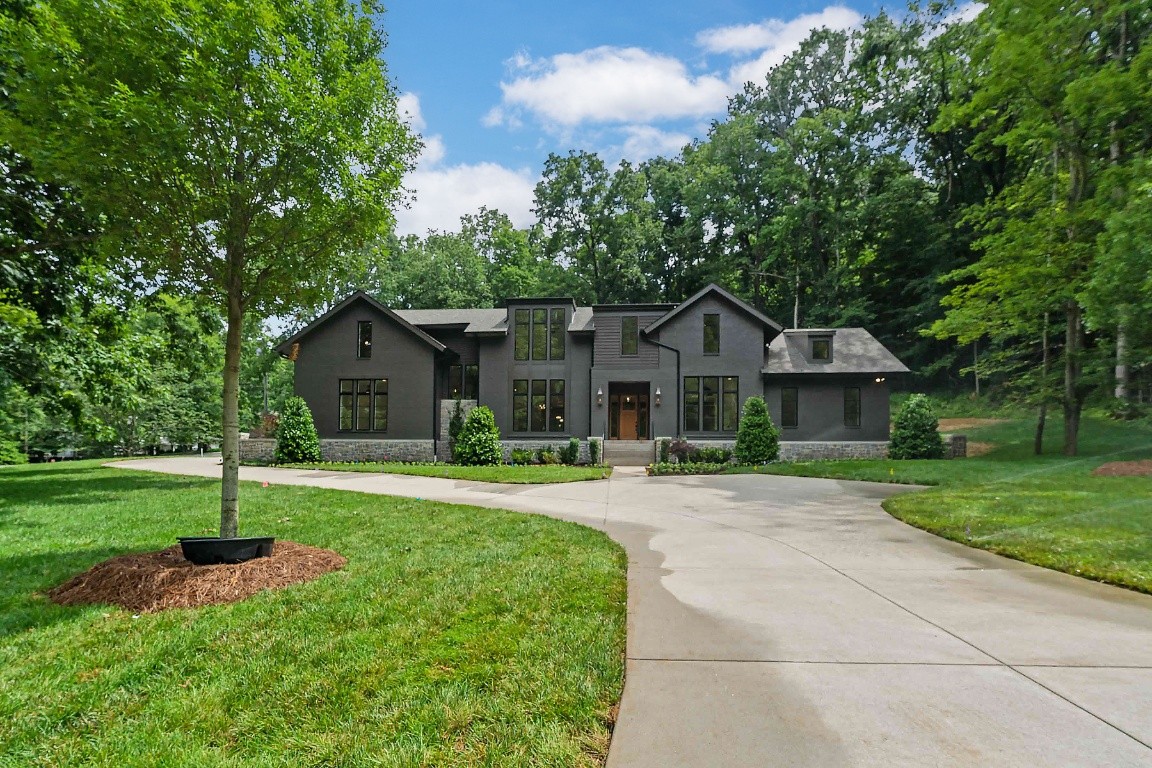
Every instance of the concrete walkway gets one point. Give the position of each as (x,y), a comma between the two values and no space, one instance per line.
(779,621)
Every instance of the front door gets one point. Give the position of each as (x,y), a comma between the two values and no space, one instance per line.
(628,415)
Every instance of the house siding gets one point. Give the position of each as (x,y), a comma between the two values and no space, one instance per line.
(821,407)
(328,354)
(607,343)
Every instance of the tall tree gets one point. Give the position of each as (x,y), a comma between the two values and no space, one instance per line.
(240,153)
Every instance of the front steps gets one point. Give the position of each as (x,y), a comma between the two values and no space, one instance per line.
(629,453)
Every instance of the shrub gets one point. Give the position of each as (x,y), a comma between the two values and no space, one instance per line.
(665,444)
(594,447)
(523,456)
(710,455)
(10,453)
(296,439)
(479,441)
(915,435)
(267,426)
(686,468)
(758,439)
(547,456)
(570,453)
(681,450)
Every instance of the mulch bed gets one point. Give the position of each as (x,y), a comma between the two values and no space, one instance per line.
(156,581)
(1124,468)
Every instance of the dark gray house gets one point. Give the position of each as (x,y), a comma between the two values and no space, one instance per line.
(382,382)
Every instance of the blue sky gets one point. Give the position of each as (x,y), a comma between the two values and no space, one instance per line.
(493,87)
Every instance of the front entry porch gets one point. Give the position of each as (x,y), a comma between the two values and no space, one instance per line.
(628,410)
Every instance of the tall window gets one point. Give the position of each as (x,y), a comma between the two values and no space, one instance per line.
(789,407)
(851,406)
(730,403)
(538,405)
(556,333)
(822,348)
(522,332)
(539,334)
(630,335)
(464,381)
(711,334)
(364,339)
(711,403)
(363,405)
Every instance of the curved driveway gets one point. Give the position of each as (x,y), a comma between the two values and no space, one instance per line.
(777,621)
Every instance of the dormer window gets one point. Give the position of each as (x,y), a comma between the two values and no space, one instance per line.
(364,339)
(822,349)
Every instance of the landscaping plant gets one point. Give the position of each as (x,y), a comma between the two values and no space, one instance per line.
(10,453)
(296,438)
(455,424)
(758,439)
(665,444)
(570,453)
(594,447)
(479,440)
(915,435)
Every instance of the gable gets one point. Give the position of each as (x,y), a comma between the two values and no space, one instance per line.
(357,300)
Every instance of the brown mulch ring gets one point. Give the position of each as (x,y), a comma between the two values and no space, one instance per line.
(1124,468)
(156,581)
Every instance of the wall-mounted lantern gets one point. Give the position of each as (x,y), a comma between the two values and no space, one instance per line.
(657,397)
(879,379)
(599,396)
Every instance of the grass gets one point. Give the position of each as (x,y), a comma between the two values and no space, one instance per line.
(456,636)
(1048,510)
(500,473)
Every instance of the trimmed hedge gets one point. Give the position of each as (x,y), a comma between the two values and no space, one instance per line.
(915,434)
(296,439)
(758,439)
(479,441)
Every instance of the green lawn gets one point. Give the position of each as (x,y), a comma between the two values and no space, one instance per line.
(1047,510)
(455,635)
(500,473)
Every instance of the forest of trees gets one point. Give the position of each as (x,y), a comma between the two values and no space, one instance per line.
(978,194)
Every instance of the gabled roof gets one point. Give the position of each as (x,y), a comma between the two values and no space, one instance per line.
(713,289)
(473,320)
(854,350)
(285,346)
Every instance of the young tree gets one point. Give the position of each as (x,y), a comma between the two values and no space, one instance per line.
(239,153)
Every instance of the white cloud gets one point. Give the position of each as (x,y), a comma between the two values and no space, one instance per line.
(643,142)
(408,107)
(443,195)
(775,39)
(607,84)
(966,12)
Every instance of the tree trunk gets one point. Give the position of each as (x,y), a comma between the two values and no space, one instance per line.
(1045,370)
(1121,363)
(230,486)
(1073,341)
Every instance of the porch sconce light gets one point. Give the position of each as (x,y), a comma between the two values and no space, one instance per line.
(879,379)
(657,397)
(600,396)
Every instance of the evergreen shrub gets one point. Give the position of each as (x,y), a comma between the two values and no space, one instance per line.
(478,443)
(915,435)
(758,439)
(296,439)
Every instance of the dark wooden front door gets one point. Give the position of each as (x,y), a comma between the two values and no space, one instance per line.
(628,416)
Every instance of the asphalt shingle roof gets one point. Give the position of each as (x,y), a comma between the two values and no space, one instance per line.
(854,350)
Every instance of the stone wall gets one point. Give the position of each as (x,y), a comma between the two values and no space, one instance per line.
(443,447)
(955,446)
(257,449)
(377,450)
(808,451)
(535,445)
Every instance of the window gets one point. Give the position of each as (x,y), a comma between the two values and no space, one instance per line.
(364,339)
(520,405)
(630,335)
(538,405)
(822,348)
(692,404)
(539,334)
(730,404)
(464,381)
(380,405)
(522,333)
(711,334)
(363,405)
(556,331)
(851,406)
(789,407)
(556,405)
(711,403)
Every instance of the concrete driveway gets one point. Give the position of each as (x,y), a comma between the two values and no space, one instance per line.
(779,621)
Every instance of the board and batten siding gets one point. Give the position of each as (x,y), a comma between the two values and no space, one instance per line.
(606,346)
